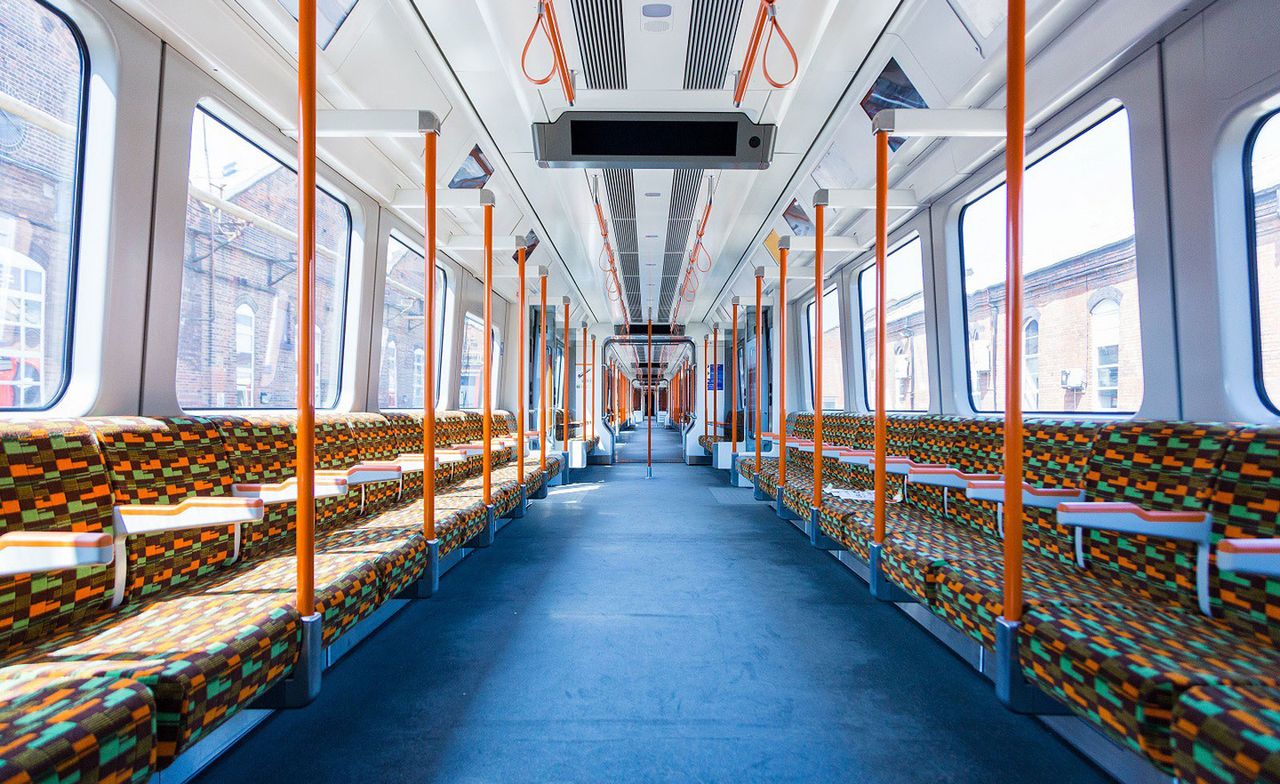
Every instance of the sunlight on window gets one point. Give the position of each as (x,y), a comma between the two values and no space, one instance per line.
(1264,169)
(832,352)
(400,384)
(908,349)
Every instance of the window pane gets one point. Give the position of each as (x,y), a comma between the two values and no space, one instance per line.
(41,98)
(242,219)
(330,14)
(832,353)
(472,362)
(1264,167)
(402,305)
(908,351)
(1079,253)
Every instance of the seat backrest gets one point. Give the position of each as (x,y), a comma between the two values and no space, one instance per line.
(262,450)
(1246,505)
(1159,466)
(977,448)
(52,478)
(1054,453)
(164,460)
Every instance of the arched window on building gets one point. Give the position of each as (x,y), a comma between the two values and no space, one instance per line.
(1031,364)
(419,376)
(391,361)
(1104,336)
(246,327)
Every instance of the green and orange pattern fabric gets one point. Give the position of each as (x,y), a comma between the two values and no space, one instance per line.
(68,731)
(1227,735)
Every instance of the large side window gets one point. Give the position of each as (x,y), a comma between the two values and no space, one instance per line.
(1083,345)
(908,351)
(242,220)
(832,351)
(1263,171)
(402,308)
(42,99)
(472,362)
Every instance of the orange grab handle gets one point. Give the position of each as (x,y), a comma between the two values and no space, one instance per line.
(541,21)
(764,57)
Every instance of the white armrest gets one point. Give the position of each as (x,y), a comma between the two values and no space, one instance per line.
(286,492)
(1133,519)
(1037,497)
(364,473)
(944,476)
(1252,556)
(191,513)
(28,552)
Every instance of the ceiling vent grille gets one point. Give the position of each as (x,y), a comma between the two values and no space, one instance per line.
(680,220)
(601,44)
(620,190)
(712,28)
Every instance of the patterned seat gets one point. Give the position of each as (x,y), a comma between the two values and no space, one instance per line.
(57,730)
(1125,666)
(1227,735)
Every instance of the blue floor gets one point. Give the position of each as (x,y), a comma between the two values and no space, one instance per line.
(632,630)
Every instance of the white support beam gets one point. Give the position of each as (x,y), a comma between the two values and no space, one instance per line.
(446,198)
(863,199)
(476,242)
(834,244)
(373,123)
(941,123)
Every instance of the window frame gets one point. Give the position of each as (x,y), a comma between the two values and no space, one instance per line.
(245,130)
(910,237)
(1251,233)
(1039,154)
(74,234)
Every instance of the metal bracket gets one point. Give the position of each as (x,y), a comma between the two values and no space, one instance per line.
(882,587)
(302,685)
(817,538)
(1013,689)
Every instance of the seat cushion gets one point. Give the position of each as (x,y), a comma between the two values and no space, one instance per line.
(970,594)
(392,541)
(55,730)
(1227,735)
(204,657)
(1124,667)
(917,545)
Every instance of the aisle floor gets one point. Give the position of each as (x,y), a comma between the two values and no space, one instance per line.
(633,445)
(663,630)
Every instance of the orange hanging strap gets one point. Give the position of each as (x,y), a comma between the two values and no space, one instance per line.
(541,21)
(764,57)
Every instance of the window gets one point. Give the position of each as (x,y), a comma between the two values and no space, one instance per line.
(908,359)
(419,372)
(402,307)
(832,352)
(330,14)
(391,366)
(472,362)
(242,218)
(1031,365)
(42,99)
(246,337)
(1263,174)
(1080,252)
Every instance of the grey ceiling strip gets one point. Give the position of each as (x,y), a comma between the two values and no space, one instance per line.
(713,26)
(681,224)
(601,43)
(620,191)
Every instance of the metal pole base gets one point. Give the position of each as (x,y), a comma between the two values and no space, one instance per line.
(564,469)
(428,584)
(759,494)
(486,535)
(541,492)
(518,512)
(882,587)
(648,472)
(783,511)
(816,537)
(302,685)
(1013,689)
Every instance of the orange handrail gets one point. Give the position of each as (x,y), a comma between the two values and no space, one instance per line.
(523,393)
(652,398)
(767,13)
(568,376)
(551,26)
(715,377)
(782,366)
(594,402)
(305,532)
(428,332)
(583,414)
(487,375)
(706,409)
(1015,162)
(543,383)
(881,444)
(820,227)
(732,358)
(759,356)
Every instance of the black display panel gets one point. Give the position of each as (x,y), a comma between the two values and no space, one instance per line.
(654,138)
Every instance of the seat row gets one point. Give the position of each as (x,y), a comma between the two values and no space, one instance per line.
(148,568)
(1150,564)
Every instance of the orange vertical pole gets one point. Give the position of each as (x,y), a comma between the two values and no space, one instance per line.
(1015,161)
(543,359)
(306,397)
(706,409)
(753,45)
(820,227)
(782,366)
(586,368)
(732,358)
(653,400)
(881,481)
(594,402)
(521,413)
(487,376)
(715,379)
(759,357)
(429,338)
(568,375)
